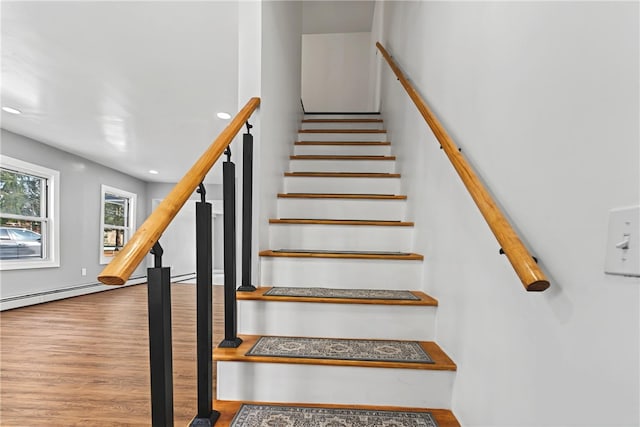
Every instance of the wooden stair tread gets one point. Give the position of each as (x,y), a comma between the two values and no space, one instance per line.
(342,120)
(259,295)
(342,131)
(343,174)
(229,408)
(350,143)
(341,196)
(441,362)
(339,157)
(382,223)
(283,253)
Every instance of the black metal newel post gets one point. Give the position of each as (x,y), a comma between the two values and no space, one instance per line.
(231,338)
(247,208)
(206,417)
(159,305)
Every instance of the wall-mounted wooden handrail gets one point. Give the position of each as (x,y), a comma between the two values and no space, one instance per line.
(122,266)
(523,263)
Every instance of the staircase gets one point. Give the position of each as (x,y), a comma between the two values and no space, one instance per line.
(341,267)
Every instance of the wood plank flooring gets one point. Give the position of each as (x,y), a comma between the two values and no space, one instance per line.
(84,361)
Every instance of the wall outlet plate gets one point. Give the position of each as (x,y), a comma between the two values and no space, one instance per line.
(623,242)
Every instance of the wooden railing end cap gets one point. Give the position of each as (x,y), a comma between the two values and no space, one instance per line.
(111,280)
(538,286)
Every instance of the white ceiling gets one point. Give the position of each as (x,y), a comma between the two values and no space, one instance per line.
(337,16)
(133,85)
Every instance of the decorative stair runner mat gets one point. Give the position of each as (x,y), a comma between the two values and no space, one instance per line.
(386,294)
(298,416)
(330,251)
(341,349)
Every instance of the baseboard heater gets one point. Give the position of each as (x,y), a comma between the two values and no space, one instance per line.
(72,291)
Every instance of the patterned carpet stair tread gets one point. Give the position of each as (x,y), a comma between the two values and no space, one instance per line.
(294,416)
(387,294)
(342,349)
(289,414)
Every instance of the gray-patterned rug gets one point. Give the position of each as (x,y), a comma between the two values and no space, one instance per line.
(342,349)
(296,416)
(342,293)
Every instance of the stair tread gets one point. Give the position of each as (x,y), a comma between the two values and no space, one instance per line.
(353,143)
(292,253)
(342,131)
(259,295)
(339,157)
(342,120)
(229,408)
(341,196)
(441,362)
(381,223)
(343,174)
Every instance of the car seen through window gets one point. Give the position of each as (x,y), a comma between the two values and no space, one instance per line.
(17,243)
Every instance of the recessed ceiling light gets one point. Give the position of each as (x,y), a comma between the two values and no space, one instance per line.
(11,110)
(153,172)
(224,116)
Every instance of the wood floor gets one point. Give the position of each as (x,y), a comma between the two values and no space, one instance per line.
(84,361)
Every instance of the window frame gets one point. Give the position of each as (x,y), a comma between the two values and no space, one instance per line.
(131,216)
(50,220)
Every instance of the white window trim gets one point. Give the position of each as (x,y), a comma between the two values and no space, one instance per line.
(131,219)
(52,228)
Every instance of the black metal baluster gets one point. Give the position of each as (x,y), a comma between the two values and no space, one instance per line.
(231,338)
(160,353)
(206,417)
(247,208)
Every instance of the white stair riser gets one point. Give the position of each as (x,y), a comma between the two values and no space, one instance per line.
(349,185)
(342,125)
(342,209)
(340,237)
(342,116)
(376,166)
(281,382)
(342,136)
(340,150)
(301,319)
(340,273)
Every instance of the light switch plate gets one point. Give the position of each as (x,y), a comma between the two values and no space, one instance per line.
(623,242)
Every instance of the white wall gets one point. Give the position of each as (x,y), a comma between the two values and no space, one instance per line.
(280,110)
(543,99)
(80,205)
(249,85)
(179,239)
(336,71)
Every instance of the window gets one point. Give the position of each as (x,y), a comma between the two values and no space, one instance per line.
(117,221)
(28,215)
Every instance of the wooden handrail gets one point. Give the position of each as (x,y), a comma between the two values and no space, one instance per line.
(122,266)
(523,263)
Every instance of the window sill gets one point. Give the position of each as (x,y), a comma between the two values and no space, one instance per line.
(28,264)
